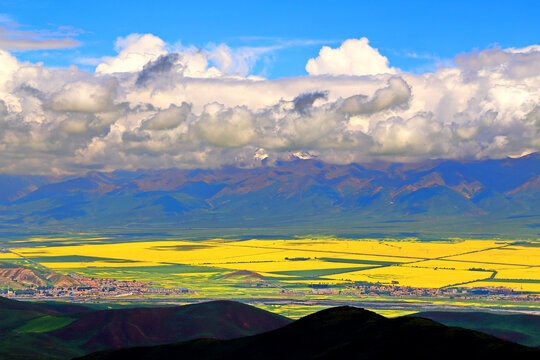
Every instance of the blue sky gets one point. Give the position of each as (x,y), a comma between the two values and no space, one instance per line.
(414,35)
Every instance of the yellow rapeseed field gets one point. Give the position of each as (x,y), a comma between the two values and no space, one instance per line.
(518,255)
(518,272)
(272,266)
(94,264)
(411,276)
(419,263)
(407,249)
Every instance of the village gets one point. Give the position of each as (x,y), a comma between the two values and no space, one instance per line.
(91,287)
(488,293)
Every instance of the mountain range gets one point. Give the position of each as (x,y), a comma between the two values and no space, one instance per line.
(477,196)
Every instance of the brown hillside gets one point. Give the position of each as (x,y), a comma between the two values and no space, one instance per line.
(244,274)
(19,277)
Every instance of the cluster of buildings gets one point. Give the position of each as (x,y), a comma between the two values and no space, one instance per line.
(461,293)
(100,288)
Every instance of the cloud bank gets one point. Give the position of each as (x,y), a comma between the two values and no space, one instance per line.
(158,106)
(14,39)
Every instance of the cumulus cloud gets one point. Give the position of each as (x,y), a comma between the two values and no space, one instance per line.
(134,52)
(155,105)
(353,57)
(85,97)
(169,118)
(225,127)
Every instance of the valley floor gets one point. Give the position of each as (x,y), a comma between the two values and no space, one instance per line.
(292,276)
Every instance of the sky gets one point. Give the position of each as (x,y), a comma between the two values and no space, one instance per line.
(414,35)
(138,84)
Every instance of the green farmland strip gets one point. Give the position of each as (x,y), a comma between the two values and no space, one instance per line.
(76,258)
(524,281)
(320,272)
(173,269)
(45,324)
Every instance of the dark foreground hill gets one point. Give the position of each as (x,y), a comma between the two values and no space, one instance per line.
(520,328)
(341,333)
(497,196)
(54,331)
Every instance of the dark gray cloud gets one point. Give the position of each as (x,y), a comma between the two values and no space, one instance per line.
(3,108)
(32,91)
(133,136)
(304,101)
(396,94)
(161,65)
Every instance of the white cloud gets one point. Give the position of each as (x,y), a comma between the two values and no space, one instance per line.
(85,97)
(225,127)
(9,65)
(134,51)
(168,119)
(353,57)
(157,106)
(239,61)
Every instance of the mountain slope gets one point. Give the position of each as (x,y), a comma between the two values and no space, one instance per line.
(341,333)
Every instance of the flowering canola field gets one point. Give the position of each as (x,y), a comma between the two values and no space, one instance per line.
(322,260)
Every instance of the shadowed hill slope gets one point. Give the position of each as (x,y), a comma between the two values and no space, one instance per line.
(24,325)
(45,308)
(56,331)
(341,333)
(519,328)
(120,328)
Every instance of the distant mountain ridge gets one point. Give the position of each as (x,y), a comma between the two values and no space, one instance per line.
(299,191)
